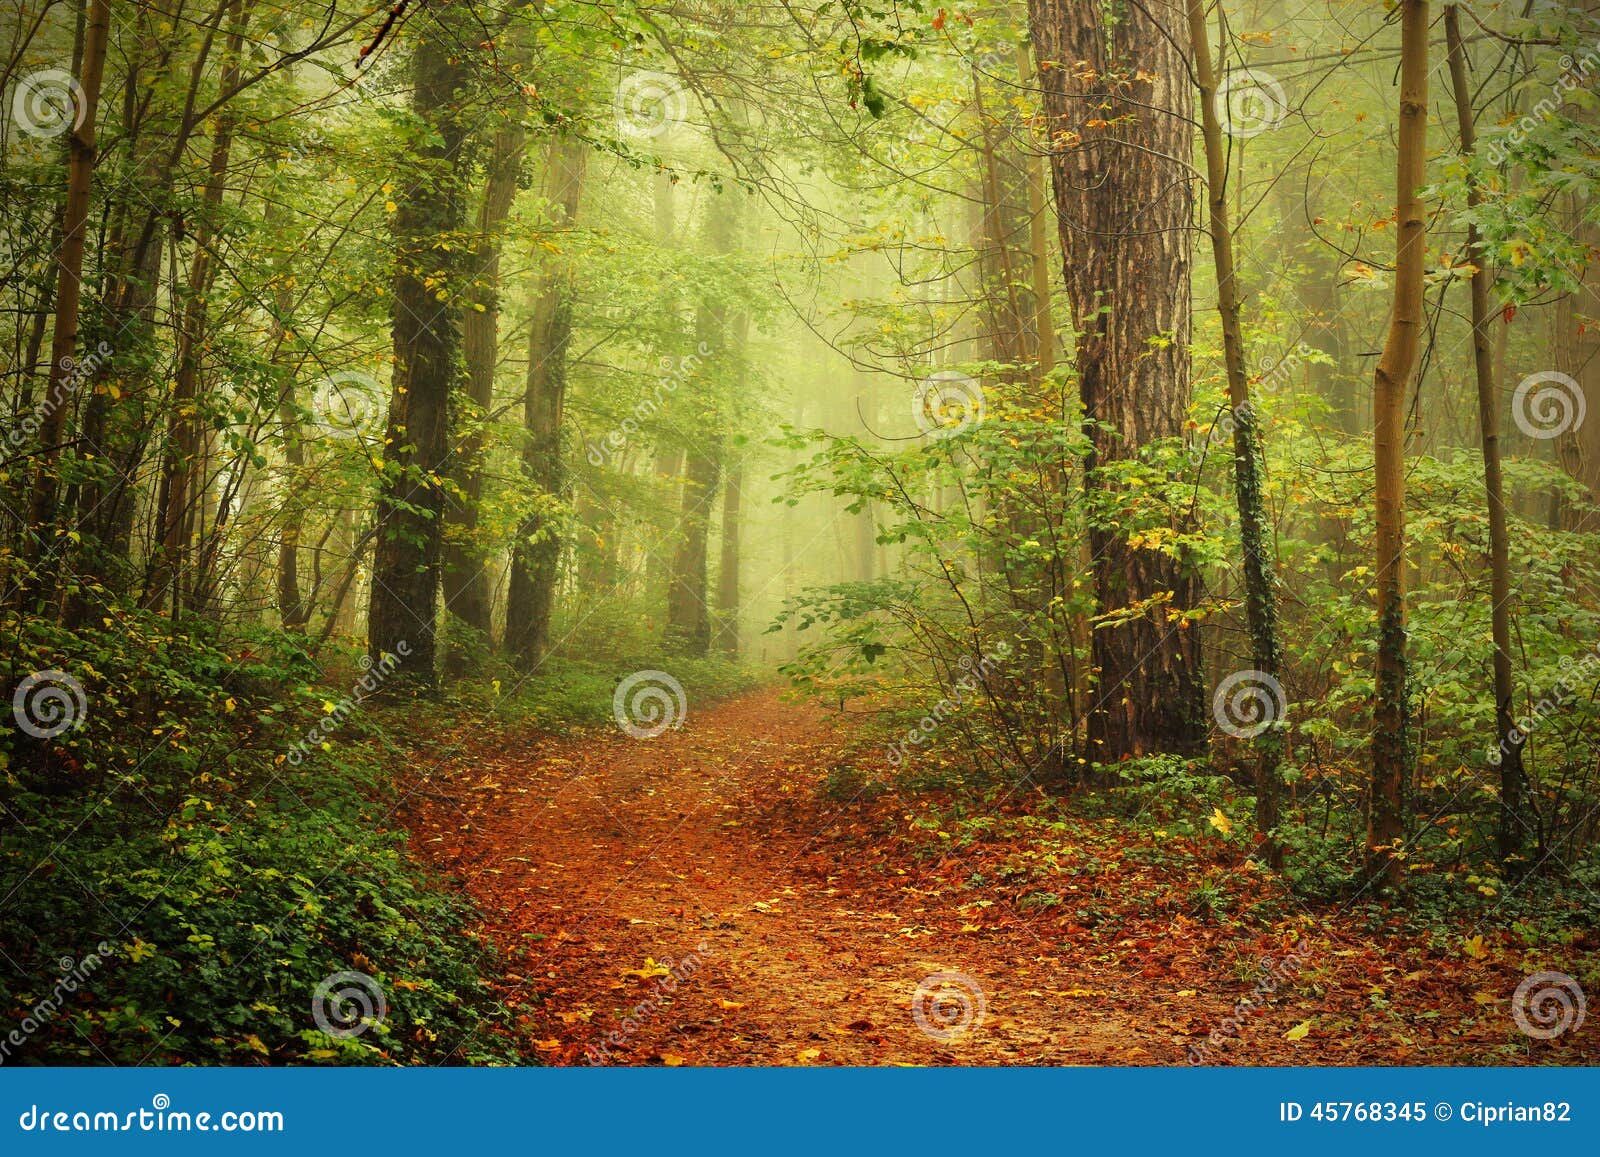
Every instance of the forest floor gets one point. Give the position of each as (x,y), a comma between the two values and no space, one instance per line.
(697,899)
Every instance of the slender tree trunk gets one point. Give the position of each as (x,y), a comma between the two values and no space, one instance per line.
(536,556)
(1260,582)
(182,472)
(403,615)
(1391,706)
(1510,837)
(466,578)
(1120,168)
(728,569)
(61,386)
(688,603)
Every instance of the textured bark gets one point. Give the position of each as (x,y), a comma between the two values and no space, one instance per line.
(403,615)
(1260,582)
(1512,827)
(81,150)
(1391,706)
(1124,205)
(537,553)
(466,579)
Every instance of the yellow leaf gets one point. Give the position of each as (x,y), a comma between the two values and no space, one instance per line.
(806,1056)
(1474,947)
(1299,1031)
(730,1004)
(671,1060)
(1221,822)
(547,1046)
(650,969)
(255,1043)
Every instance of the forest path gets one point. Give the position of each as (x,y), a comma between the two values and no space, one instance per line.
(708,850)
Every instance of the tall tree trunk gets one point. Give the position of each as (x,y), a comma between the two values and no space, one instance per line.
(1122,140)
(466,578)
(403,614)
(1509,836)
(728,568)
(536,556)
(69,281)
(1391,704)
(1260,583)
(182,472)
(688,605)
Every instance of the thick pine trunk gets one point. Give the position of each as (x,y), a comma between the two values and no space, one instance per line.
(1391,706)
(403,615)
(1120,170)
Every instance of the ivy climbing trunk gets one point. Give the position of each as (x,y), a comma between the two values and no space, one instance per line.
(1260,583)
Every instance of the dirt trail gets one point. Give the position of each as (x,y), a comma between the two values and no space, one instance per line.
(706,850)
(694,899)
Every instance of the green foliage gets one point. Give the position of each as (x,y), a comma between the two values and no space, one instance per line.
(224,881)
